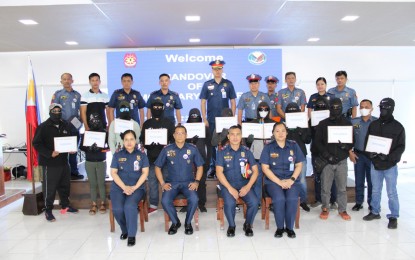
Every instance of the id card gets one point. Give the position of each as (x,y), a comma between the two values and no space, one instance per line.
(223,94)
(136,166)
(291,167)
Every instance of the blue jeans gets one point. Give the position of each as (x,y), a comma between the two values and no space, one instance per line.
(390,175)
(303,183)
(153,185)
(284,203)
(250,200)
(125,209)
(169,195)
(362,170)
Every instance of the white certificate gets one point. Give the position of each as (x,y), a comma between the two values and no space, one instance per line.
(224,122)
(156,136)
(317,116)
(91,137)
(257,130)
(377,144)
(193,129)
(298,119)
(268,130)
(65,144)
(343,134)
(123,125)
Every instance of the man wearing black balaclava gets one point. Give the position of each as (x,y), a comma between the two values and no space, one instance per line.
(384,166)
(336,155)
(157,121)
(56,171)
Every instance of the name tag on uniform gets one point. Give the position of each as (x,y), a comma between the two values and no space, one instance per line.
(136,166)
(223,93)
(291,167)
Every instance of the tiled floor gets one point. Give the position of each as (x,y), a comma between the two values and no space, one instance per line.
(87,237)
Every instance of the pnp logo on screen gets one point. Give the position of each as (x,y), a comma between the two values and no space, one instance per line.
(130,60)
(257,58)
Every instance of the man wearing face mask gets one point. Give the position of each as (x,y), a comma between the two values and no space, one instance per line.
(359,157)
(384,166)
(115,142)
(301,136)
(157,121)
(336,155)
(56,171)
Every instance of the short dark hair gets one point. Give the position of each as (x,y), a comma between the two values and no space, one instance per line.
(277,124)
(125,75)
(366,100)
(93,74)
(180,126)
(235,127)
(323,79)
(341,73)
(164,75)
(67,73)
(290,73)
(122,135)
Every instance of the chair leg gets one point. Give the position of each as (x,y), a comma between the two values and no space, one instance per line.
(196,218)
(267,206)
(297,216)
(111,216)
(141,212)
(166,222)
(145,206)
(263,208)
(221,214)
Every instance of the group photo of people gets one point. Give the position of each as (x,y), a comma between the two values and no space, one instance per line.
(254,145)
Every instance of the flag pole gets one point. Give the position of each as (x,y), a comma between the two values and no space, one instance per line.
(31,159)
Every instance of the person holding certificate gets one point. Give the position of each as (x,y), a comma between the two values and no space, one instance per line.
(336,154)
(95,164)
(180,159)
(237,172)
(281,162)
(392,138)
(129,169)
(56,171)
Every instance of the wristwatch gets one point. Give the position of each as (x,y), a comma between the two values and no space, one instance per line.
(292,178)
(197,181)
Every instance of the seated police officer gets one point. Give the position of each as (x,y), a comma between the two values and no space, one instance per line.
(180,158)
(237,172)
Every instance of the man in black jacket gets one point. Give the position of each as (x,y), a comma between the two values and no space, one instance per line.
(56,171)
(384,165)
(336,154)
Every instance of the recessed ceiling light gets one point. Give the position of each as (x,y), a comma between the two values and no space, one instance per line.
(193,40)
(71,43)
(350,18)
(192,18)
(28,22)
(313,39)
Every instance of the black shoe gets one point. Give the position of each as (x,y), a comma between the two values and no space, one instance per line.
(305,206)
(131,241)
(371,216)
(49,216)
(230,232)
(76,177)
(393,223)
(290,233)
(202,209)
(188,229)
(370,208)
(173,228)
(124,236)
(183,209)
(357,207)
(248,230)
(279,232)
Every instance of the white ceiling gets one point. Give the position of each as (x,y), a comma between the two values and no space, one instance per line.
(98,24)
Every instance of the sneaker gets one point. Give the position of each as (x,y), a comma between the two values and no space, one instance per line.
(151,210)
(76,177)
(202,208)
(183,209)
(345,216)
(315,204)
(237,209)
(69,209)
(333,206)
(49,216)
(393,223)
(304,206)
(324,214)
(371,216)
(357,207)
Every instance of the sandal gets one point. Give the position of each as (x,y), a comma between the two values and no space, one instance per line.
(93,209)
(102,208)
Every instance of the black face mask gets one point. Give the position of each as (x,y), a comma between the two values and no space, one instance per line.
(125,115)
(335,112)
(55,117)
(386,113)
(197,119)
(156,113)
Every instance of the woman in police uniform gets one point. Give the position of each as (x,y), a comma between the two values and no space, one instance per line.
(281,164)
(129,169)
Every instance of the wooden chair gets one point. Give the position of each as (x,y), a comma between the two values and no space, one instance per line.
(142,210)
(180,201)
(220,204)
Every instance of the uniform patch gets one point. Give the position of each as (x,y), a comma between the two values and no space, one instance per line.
(171,153)
(274,155)
(122,159)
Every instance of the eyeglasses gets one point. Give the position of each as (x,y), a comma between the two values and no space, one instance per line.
(124,109)
(263,109)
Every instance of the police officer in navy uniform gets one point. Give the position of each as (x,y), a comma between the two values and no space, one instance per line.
(237,172)
(290,94)
(347,95)
(170,99)
(70,100)
(129,169)
(130,95)
(321,85)
(272,83)
(281,162)
(250,100)
(180,158)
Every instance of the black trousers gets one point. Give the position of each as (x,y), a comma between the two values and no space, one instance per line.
(56,178)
